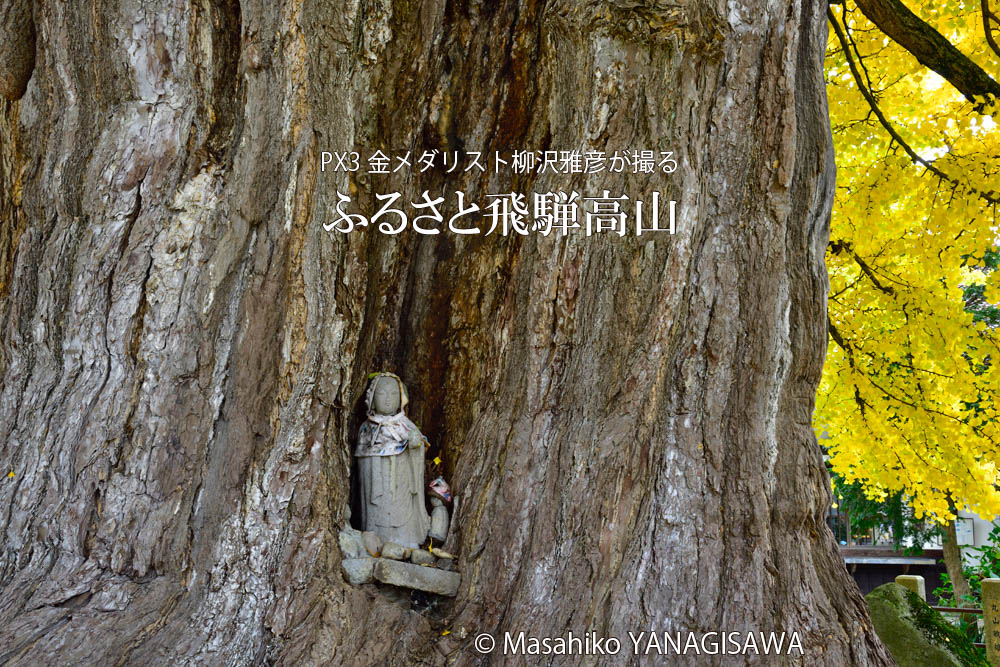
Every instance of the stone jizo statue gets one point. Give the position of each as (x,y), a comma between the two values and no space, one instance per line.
(390,455)
(440,493)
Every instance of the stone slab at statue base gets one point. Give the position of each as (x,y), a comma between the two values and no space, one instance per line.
(426,573)
(425,578)
(419,577)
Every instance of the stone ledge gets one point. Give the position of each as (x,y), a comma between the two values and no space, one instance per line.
(419,577)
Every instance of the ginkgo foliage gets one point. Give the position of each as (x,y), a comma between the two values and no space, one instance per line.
(908,396)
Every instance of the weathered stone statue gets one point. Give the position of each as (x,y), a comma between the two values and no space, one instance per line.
(390,455)
(440,493)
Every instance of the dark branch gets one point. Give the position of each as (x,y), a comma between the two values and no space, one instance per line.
(931,48)
(873,103)
(988,18)
(887,289)
(839,340)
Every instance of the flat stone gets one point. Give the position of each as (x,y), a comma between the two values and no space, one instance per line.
(350,543)
(408,575)
(358,570)
(422,557)
(372,542)
(445,564)
(395,551)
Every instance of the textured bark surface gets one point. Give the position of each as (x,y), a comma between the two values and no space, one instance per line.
(952,552)
(17,47)
(626,421)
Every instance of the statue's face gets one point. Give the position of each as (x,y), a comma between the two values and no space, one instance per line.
(385,398)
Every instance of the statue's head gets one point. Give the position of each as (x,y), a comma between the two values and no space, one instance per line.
(386,395)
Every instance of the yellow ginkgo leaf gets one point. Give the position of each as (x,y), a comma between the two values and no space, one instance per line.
(907,401)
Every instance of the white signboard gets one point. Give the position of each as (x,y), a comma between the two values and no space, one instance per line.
(964,531)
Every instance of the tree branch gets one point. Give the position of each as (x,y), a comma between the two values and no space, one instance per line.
(888,289)
(931,48)
(839,340)
(989,16)
(873,103)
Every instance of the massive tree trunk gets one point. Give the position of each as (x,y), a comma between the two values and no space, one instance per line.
(626,421)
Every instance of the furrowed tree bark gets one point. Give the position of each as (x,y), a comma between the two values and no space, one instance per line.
(952,556)
(626,421)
